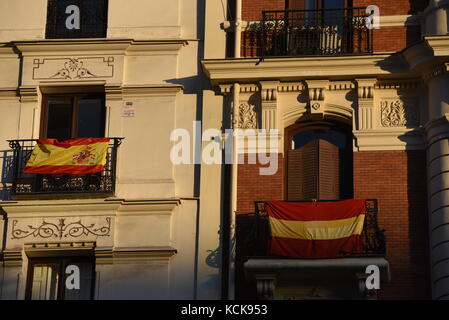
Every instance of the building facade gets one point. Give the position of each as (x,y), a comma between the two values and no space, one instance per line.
(313,73)
(349,96)
(104,69)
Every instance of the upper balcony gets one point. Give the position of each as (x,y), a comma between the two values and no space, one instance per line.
(319,32)
(28,186)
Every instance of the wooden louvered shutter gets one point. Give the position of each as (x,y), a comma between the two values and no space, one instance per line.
(329,171)
(302,176)
(313,172)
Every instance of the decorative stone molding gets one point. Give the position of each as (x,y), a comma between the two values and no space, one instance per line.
(365,95)
(291,87)
(60,230)
(399,113)
(398,85)
(317,93)
(265,287)
(269,91)
(247,117)
(72,68)
(28,94)
(341,85)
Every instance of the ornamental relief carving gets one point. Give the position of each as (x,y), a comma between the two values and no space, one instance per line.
(247,117)
(399,113)
(60,229)
(73,68)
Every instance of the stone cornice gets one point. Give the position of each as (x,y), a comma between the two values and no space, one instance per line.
(410,64)
(91,207)
(85,46)
(301,68)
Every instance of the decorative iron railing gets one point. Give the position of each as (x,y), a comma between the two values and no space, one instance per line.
(24,184)
(309,32)
(373,239)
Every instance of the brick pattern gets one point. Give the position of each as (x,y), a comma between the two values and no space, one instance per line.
(252,9)
(252,186)
(398,180)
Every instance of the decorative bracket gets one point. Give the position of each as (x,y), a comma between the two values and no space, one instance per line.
(265,287)
(268,93)
(365,94)
(317,95)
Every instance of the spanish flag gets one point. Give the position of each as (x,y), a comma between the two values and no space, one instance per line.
(71,157)
(316,229)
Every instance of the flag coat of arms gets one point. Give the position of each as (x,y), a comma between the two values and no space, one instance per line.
(78,156)
(316,229)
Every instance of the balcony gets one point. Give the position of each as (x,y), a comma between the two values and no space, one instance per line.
(372,237)
(269,277)
(31,185)
(308,32)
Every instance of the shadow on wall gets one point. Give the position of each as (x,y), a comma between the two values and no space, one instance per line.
(414,32)
(6,159)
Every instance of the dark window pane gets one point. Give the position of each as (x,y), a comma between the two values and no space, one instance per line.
(90,118)
(333,136)
(86,279)
(59,120)
(92,19)
(333,4)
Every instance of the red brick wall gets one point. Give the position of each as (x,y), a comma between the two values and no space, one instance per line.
(252,186)
(396,7)
(398,180)
(252,9)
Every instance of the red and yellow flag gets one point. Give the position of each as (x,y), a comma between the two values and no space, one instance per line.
(71,157)
(316,229)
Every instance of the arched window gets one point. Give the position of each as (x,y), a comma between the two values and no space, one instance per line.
(318,161)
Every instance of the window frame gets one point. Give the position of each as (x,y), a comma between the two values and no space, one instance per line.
(296,128)
(63,262)
(74,98)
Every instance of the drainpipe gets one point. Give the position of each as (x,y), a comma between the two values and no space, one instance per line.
(238,28)
(233,198)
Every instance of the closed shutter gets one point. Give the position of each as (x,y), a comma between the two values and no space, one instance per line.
(302,176)
(329,171)
(313,172)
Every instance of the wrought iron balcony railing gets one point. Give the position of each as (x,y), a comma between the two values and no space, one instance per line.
(373,239)
(309,32)
(23,184)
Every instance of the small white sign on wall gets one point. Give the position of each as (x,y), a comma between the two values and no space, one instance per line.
(128,109)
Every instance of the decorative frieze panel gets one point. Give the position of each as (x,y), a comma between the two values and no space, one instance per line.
(58,229)
(247,117)
(73,68)
(399,113)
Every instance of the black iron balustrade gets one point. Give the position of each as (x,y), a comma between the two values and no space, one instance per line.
(309,32)
(373,239)
(24,184)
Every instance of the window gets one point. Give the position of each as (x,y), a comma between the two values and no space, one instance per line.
(47,279)
(318,162)
(76,19)
(73,116)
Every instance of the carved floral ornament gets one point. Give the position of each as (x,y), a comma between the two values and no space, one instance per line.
(247,117)
(60,229)
(395,113)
